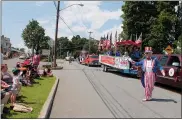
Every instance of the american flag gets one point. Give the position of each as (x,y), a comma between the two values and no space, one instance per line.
(107,36)
(139,40)
(111,38)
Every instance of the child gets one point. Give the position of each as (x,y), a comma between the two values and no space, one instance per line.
(15,85)
(47,72)
(28,77)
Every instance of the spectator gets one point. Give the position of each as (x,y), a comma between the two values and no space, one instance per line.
(8,77)
(47,72)
(136,55)
(118,53)
(36,60)
(4,94)
(4,97)
(15,86)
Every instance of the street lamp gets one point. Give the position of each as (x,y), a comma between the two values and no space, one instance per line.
(70,6)
(57,21)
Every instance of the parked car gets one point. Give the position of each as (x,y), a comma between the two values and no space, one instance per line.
(23,56)
(92,60)
(173,70)
(68,58)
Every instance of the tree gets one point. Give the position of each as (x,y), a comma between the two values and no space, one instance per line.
(163,30)
(157,21)
(64,46)
(75,45)
(34,36)
(137,16)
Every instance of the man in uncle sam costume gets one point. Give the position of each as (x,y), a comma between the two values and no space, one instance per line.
(149,65)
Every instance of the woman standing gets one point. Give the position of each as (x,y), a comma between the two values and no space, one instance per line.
(149,65)
(36,60)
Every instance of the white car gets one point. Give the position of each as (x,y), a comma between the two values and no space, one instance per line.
(68,58)
(23,56)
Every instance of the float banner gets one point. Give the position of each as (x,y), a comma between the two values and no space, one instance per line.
(121,63)
(107,60)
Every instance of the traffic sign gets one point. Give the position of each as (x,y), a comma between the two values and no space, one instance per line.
(45,52)
(169,49)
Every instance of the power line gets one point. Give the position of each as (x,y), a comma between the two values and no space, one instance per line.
(55,4)
(83,24)
(67,25)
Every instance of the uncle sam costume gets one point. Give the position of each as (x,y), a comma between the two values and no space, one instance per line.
(149,68)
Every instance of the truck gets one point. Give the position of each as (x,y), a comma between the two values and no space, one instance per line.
(92,60)
(121,64)
(173,70)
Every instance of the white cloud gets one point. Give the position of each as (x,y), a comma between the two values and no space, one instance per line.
(77,17)
(40,3)
(42,22)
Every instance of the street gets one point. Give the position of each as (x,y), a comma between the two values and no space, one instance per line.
(88,92)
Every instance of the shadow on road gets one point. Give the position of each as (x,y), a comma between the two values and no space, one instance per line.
(163,100)
(170,88)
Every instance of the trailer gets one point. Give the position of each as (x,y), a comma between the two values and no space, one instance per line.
(121,64)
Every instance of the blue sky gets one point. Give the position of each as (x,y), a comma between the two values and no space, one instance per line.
(97,16)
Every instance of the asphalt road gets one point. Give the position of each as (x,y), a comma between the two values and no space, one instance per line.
(88,92)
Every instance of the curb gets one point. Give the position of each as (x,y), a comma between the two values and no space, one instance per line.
(45,111)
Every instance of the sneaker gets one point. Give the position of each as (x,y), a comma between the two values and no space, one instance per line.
(145,99)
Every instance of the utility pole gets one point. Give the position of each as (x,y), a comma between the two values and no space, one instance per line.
(56,33)
(89,39)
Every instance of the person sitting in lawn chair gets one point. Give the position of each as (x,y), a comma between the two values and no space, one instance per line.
(47,72)
(8,78)
(5,95)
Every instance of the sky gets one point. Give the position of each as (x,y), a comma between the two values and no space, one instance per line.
(100,17)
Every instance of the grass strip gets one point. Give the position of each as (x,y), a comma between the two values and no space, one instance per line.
(34,96)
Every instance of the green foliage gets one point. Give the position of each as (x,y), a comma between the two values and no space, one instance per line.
(157,21)
(34,36)
(178,45)
(75,45)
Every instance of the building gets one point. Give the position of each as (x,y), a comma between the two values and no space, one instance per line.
(5,44)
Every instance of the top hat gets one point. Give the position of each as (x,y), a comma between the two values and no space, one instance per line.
(148,49)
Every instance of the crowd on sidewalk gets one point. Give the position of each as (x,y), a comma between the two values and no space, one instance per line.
(23,74)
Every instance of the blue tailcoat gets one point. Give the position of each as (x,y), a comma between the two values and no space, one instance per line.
(154,69)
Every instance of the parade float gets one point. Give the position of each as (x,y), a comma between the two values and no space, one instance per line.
(120,63)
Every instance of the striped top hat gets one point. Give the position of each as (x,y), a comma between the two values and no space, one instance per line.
(148,49)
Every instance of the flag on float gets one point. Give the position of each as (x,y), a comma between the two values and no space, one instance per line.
(139,40)
(110,41)
(107,36)
(119,37)
(115,39)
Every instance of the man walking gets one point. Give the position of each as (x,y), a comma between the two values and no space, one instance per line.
(149,67)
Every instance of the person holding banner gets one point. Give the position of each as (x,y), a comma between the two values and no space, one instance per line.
(149,68)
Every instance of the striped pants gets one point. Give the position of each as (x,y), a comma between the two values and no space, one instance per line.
(149,84)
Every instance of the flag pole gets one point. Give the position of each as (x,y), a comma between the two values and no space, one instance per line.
(141,43)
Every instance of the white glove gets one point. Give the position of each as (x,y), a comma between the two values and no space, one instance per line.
(163,73)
